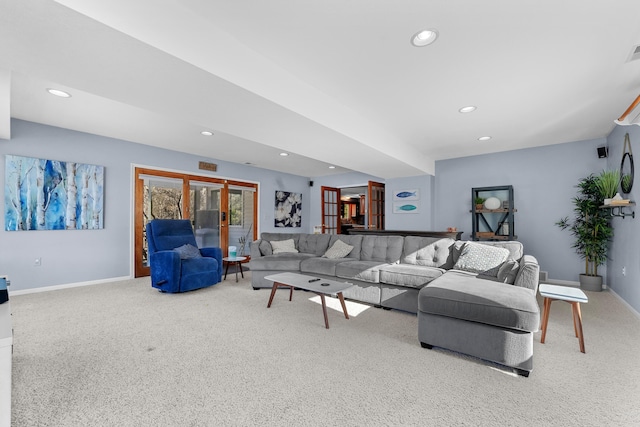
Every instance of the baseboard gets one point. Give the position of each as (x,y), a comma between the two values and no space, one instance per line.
(631,309)
(67,285)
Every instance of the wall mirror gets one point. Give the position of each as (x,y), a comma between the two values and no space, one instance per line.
(626,167)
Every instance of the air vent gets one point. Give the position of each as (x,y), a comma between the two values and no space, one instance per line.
(635,54)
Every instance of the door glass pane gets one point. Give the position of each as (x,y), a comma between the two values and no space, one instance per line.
(162,200)
(205,214)
(240,219)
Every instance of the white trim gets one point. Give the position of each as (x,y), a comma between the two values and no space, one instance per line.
(626,304)
(68,285)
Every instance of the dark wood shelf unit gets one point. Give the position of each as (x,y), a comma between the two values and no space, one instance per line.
(493,224)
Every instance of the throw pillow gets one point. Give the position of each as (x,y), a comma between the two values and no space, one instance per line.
(508,271)
(188,251)
(283,246)
(338,250)
(479,258)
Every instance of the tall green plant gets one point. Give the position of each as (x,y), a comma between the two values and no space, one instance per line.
(590,225)
(608,182)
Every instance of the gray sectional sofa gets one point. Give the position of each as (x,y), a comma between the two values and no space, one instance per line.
(471,297)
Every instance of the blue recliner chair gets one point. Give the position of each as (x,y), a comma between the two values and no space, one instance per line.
(177,265)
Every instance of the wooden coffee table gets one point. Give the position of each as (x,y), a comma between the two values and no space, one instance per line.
(313,284)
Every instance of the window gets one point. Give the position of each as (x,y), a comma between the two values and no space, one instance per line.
(235,208)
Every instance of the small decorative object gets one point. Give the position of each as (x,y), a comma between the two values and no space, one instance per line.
(452,229)
(492,203)
(607,183)
(479,201)
(232,251)
(505,204)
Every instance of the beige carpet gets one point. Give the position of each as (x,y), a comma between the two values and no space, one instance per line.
(123,354)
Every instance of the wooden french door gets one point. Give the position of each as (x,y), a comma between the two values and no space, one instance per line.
(330,210)
(376,205)
(222,212)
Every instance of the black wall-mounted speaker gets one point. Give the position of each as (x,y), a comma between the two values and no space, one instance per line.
(310,183)
(603,152)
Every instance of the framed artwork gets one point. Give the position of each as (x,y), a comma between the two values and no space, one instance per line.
(42,194)
(288,209)
(406,195)
(405,207)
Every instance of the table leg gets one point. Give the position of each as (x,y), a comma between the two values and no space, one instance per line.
(237,264)
(545,318)
(324,310)
(226,269)
(344,306)
(273,292)
(577,318)
(240,266)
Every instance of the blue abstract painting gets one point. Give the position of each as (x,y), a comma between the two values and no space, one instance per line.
(45,194)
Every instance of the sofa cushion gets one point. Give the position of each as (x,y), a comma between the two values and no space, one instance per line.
(283,246)
(460,295)
(529,273)
(508,271)
(408,275)
(428,251)
(366,271)
(279,262)
(339,249)
(320,265)
(267,238)
(481,258)
(313,243)
(382,248)
(351,240)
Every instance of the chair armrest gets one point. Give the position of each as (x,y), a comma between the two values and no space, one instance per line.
(529,273)
(165,267)
(213,252)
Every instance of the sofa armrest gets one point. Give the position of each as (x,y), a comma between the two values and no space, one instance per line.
(165,269)
(529,273)
(255,249)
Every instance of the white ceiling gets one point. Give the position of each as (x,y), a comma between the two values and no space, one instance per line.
(333,82)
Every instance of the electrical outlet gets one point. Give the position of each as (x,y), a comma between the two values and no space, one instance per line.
(624,271)
(38,262)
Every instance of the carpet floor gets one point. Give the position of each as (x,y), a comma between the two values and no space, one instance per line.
(123,354)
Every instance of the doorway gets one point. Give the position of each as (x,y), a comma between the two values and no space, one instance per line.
(222,212)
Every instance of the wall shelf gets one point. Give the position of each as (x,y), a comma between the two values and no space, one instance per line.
(493,224)
(619,211)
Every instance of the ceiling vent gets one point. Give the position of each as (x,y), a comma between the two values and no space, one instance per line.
(635,54)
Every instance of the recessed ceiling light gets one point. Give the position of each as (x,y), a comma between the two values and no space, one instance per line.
(58,92)
(207,133)
(424,38)
(468,109)
(332,167)
(284,154)
(484,138)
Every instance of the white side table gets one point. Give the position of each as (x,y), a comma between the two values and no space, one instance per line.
(234,260)
(573,296)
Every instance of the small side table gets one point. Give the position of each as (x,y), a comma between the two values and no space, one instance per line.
(238,260)
(573,296)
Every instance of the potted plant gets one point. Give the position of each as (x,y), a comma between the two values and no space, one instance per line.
(479,202)
(591,229)
(608,182)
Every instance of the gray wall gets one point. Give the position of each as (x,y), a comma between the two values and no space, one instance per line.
(73,256)
(544,182)
(422,220)
(625,248)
